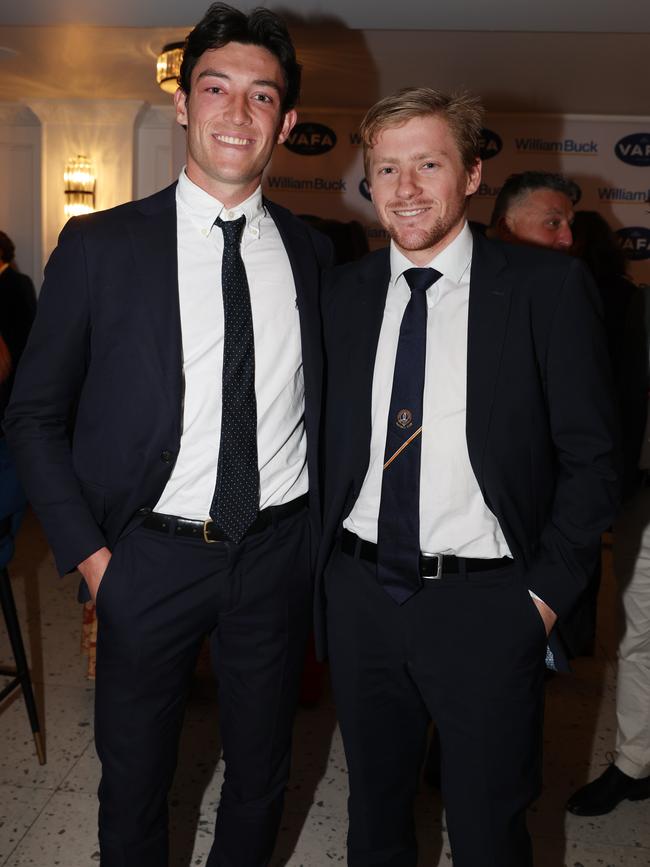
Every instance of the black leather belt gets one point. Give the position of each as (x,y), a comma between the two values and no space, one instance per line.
(208,530)
(434,566)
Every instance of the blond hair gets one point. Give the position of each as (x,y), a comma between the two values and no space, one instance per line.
(462,111)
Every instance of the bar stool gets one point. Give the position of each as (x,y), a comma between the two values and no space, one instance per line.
(12,506)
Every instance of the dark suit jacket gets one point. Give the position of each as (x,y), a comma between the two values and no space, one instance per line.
(541,423)
(625,326)
(106,346)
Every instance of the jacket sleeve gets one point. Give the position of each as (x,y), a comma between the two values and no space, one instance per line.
(584,429)
(49,383)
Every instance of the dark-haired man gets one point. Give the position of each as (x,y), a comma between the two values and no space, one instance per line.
(468,475)
(184,330)
(535,208)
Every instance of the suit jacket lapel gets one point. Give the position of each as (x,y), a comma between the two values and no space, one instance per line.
(489,306)
(153,235)
(367,302)
(306,277)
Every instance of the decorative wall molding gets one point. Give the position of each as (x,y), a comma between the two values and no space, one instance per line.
(102,130)
(20,183)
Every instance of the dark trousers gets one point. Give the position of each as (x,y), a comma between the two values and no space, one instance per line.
(467,652)
(157,601)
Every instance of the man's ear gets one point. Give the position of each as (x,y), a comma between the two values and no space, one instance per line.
(288,123)
(180,104)
(474,178)
(504,228)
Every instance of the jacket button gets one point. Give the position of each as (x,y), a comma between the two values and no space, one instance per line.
(166,457)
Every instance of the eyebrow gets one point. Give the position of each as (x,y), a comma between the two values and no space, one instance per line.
(429,155)
(259,82)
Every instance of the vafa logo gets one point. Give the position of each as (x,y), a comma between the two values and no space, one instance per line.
(490,144)
(634,149)
(635,242)
(310,139)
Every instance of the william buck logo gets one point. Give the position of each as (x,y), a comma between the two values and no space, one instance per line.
(310,139)
(635,242)
(634,149)
(364,189)
(490,144)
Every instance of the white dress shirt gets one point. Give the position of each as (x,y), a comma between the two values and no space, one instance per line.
(279,382)
(453,516)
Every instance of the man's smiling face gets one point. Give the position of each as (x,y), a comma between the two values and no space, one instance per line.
(234,119)
(419,185)
(542,217)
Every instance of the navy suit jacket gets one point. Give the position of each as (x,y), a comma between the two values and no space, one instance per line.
(541,424)
(105,350)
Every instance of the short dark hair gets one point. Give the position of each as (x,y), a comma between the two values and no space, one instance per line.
(222,24)
(7,248)
(462,111)
(519,185)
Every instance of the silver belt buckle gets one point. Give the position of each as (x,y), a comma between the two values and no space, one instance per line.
(439,558)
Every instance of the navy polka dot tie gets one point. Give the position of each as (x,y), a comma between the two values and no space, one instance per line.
(236,498)
(398,529)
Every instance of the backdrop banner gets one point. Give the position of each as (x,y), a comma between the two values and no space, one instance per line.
(319,170)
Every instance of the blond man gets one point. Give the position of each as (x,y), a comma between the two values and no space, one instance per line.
(468,464)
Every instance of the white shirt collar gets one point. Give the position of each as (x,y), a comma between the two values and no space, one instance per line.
(452,262)
(203,209)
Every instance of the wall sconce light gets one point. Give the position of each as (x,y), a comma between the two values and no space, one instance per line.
(168,66)
(79,186)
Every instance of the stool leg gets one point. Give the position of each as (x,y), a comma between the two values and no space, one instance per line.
(22,669)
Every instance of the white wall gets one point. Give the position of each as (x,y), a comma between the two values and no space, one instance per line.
(20,185)
(156,144)
(102,130)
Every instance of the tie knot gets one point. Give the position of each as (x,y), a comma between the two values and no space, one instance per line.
(232,230)
(421,278)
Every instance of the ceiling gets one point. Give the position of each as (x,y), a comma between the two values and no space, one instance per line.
(563,57)
(574,16)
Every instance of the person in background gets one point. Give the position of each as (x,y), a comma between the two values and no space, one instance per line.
(185,329)
(469,460)
(348,239)
(17,311)
(5,362)
(624,316)
(535,208)
(628,775)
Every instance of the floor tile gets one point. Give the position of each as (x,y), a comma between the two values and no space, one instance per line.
(19,808)
(68,729)
(551,853)
(64,836)
(83,776)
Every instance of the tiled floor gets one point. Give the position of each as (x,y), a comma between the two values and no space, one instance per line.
(48,814)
